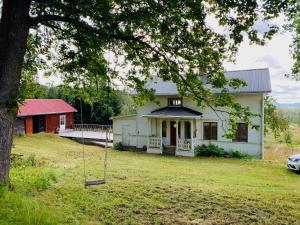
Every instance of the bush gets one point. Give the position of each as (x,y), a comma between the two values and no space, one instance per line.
(214,150)
(19,161)
(238,155)
(209,150)
(119,146)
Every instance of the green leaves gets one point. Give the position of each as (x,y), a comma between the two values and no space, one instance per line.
(184,41)
(274,120)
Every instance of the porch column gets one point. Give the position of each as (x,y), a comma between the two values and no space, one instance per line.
(160,122)
(192,134)
(182,127)
(176,135)
(149,131)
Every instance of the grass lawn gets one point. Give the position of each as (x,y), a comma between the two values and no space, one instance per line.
(278,150)
(144,188)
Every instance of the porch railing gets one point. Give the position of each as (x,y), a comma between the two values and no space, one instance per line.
(184,144)
(154,142)
(92,127)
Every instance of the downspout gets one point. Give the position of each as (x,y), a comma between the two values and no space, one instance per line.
(137,132)
(262,127)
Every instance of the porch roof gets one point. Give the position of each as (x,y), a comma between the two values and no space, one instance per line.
(174,112)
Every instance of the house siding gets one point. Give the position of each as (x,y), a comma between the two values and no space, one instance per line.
(69,120)
(19,127)
(138,125)
(25,125)
(28,125)
(52,123)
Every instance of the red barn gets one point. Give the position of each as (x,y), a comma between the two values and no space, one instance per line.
(44,115)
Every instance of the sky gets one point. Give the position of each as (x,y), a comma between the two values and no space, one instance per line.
(275,55)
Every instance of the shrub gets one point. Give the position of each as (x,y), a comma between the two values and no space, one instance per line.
(214,150)
(209,150)
(19,161)
(31,160)
(119,146)
(239,155)
(16,160)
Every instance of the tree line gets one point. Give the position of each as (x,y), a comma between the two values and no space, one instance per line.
(109,103)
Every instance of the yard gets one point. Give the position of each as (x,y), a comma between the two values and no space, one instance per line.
(144,189)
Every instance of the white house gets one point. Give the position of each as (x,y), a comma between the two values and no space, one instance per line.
(177,125)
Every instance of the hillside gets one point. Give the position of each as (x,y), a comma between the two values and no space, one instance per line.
(143,188)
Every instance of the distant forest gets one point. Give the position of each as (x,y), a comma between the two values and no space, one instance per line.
(293,115)
(117,103)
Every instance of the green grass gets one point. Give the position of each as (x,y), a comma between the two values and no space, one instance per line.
(278,150)
(144,188)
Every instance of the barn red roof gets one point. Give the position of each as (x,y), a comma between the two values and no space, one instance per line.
(32,107)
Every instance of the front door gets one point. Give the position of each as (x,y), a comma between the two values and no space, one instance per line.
(173,132)
(62,122)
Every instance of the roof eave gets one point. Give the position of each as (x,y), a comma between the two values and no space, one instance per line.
(175,117)
(39,114)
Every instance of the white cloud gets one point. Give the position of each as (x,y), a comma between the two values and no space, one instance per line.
(276,56)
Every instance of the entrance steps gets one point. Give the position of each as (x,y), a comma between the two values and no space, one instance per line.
(169,150)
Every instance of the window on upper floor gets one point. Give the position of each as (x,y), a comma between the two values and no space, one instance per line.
(175,101)
(241,132)
(210,130)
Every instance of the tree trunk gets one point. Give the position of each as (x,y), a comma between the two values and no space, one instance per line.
(14,29)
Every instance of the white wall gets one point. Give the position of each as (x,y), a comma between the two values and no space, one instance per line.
(138,126)
(124,130)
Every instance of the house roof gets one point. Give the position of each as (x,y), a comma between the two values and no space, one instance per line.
(258,81)
(122,116)
(174,112)
(32,107)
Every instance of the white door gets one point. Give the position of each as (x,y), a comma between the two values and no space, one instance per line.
(126,135)
(62,122)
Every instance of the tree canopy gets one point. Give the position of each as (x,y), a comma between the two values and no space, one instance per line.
(274,119)
(181,41)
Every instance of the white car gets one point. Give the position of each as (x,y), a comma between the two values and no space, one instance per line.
(293,162)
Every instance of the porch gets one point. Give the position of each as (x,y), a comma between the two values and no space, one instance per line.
(93,132)
(173,128)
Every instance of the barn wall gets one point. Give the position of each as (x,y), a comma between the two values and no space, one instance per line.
(19,127)
(28,125)
(70,120)
(52,123)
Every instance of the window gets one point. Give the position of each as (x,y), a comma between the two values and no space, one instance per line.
(164,129)
(175,101)
(187,130)
(241,132)
(179,129)
(210,130)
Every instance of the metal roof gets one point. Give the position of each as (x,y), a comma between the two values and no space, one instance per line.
(258,81)
(32,107)
(174,112)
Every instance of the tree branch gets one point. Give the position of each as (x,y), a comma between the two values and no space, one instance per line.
(56,18)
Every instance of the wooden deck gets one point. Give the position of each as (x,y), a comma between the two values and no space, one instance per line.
(94,135)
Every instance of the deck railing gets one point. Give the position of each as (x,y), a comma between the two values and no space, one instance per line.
(184,144)
(154,142)
(92,127)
